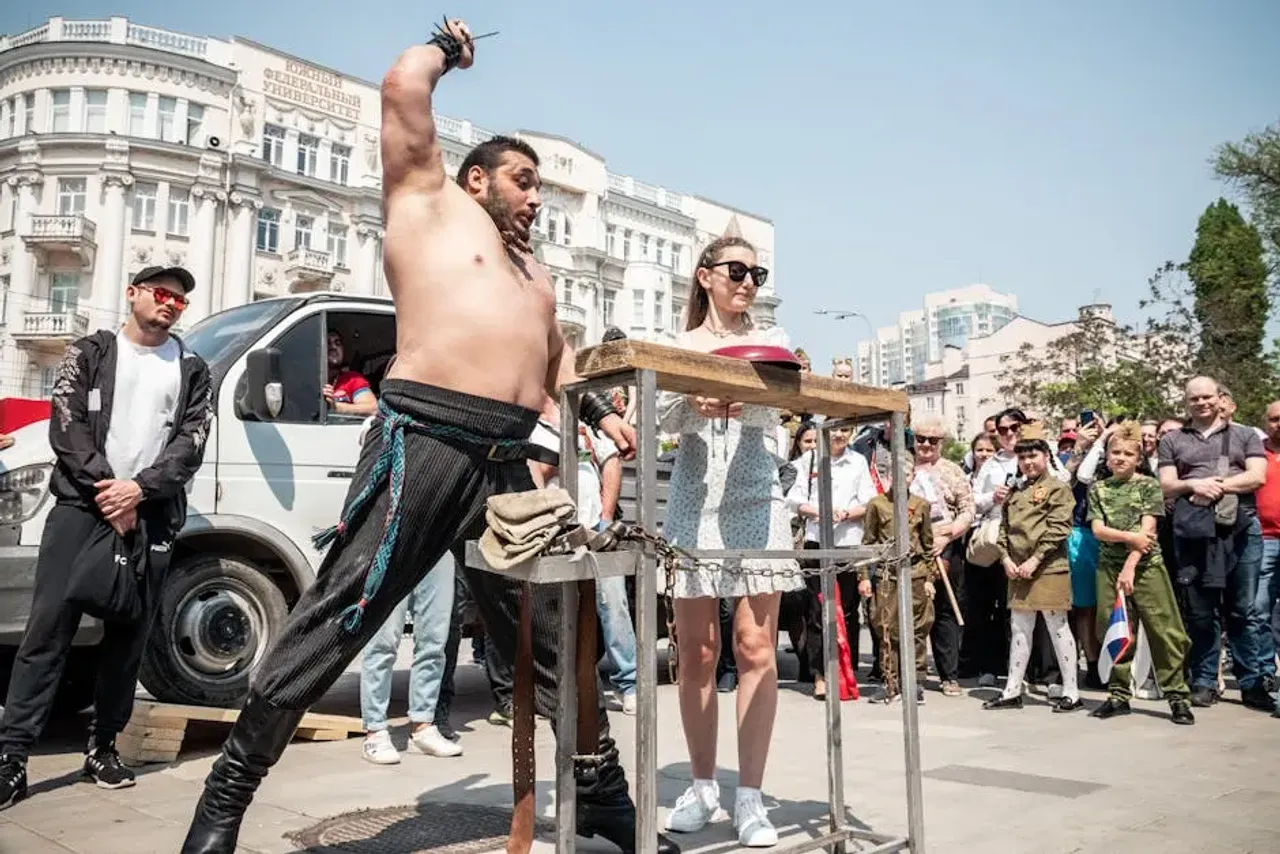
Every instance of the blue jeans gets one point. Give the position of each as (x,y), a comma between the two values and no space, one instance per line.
(618,633)
(1266,605)
(1237,601)
(432,604)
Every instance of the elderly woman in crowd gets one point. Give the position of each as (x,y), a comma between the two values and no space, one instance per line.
(944,485)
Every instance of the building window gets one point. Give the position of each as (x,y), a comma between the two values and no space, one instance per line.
(71,195)
(64,292)
(144,207)
(960,414)
(644,247)
(551,227)
(4,300)
(302,227)
(662,252)
(29,112)
(566,292)
(195,124)
(338,244)
(659,307)
(268,230)
(568,230)
(48,377)
(169,119)
(675,257)
(626,244)
(60,114)
(930,403)
(308,152)
(179,208)
(137,114)
(273,144)
(606,308)
(6,118)
(339,164)
(610,241)
(95,111)
(637,308)
(959,388)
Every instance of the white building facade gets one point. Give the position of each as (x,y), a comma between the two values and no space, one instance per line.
(123,146)
(901,353)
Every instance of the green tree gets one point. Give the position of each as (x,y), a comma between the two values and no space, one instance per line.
(1253,166)
(1214,309)
(1098,365)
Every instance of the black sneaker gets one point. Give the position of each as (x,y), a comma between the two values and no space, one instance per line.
(1003,703)
(503,715)
(103,767)
(1066,704)
(1257,698)
(1269,683)
(1112,708)
(1203,698)
(1181,712)
(727,683)
(13,781)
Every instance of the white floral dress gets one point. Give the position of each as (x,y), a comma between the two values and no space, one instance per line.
(725,494)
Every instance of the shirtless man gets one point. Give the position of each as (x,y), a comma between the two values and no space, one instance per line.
(478,352)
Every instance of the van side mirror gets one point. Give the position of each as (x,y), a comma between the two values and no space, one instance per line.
(263,388)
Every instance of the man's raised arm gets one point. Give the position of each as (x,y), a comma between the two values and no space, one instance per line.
(411,156)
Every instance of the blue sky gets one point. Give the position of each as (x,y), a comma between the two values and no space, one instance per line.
(1053,150)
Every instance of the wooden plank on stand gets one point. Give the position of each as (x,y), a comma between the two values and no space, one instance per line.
(690,372)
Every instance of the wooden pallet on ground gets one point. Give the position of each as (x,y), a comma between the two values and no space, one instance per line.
(156,730)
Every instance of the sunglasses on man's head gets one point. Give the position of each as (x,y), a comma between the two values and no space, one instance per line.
(738,271)
(166,297)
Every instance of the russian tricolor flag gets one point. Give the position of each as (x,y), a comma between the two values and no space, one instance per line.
(1116,643)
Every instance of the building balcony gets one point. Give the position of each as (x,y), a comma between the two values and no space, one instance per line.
(50,330)
(49,236)
(572,318)
(308,269)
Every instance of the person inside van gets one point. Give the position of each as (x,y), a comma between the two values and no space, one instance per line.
(347,392)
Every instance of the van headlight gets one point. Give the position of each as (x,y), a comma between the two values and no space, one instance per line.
(22,491)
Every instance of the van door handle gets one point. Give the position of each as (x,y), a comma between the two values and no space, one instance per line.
(346,475)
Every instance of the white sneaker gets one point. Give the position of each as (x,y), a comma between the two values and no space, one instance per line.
(431,742)
(379,750)
(694,810)
(629,703)
(752,822)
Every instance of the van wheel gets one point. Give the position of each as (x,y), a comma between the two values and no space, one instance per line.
(218,617)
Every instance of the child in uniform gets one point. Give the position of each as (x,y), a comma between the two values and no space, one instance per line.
(1033,550)
(1123,511)
(878,528)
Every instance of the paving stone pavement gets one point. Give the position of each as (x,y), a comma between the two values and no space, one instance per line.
(1027,781)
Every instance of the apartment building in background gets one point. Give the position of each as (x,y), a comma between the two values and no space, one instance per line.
(124,145)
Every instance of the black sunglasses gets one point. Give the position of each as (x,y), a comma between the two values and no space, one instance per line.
(738,271)
(928,440)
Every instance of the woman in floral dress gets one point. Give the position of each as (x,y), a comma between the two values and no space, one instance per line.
(725,494)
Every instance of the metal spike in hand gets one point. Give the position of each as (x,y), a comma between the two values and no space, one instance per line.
(443,30)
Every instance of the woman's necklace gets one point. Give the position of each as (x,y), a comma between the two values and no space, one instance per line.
(743,326)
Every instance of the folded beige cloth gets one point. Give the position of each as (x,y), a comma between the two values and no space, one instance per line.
(521,524)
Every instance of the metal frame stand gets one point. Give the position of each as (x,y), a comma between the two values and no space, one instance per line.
(559,571)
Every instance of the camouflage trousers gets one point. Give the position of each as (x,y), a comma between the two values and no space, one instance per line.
(885,620)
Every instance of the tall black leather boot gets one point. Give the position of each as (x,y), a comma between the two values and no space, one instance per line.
(259,736)
(605,808)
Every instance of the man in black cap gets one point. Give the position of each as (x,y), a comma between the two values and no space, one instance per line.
(130,414)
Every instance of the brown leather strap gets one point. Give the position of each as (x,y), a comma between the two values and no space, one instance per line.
(588,699)
(523,770)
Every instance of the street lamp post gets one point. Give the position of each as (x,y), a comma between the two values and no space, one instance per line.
(836,314)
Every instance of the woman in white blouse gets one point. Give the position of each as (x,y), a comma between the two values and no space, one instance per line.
(851,489)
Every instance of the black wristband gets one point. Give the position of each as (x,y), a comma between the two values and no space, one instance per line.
(596,407)
(450,47)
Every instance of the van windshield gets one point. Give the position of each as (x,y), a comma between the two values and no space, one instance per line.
(220,338)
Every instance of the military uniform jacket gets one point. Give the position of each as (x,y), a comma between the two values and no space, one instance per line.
(1037,522)
(1121,505)
(878,528)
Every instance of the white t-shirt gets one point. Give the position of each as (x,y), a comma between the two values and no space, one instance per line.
(148,382)
(594,450)
(851,486)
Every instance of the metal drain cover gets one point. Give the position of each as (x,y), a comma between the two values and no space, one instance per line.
(429,828)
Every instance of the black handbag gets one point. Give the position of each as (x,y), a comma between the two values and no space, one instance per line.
(104,580)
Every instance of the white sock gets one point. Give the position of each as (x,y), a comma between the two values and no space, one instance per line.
(708,791)
(747,793)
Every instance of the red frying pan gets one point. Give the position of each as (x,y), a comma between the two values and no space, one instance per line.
(762,354)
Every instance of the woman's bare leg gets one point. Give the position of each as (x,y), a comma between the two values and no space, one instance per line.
(755,645)
(698,634)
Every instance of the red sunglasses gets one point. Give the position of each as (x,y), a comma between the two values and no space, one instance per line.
(166,297)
